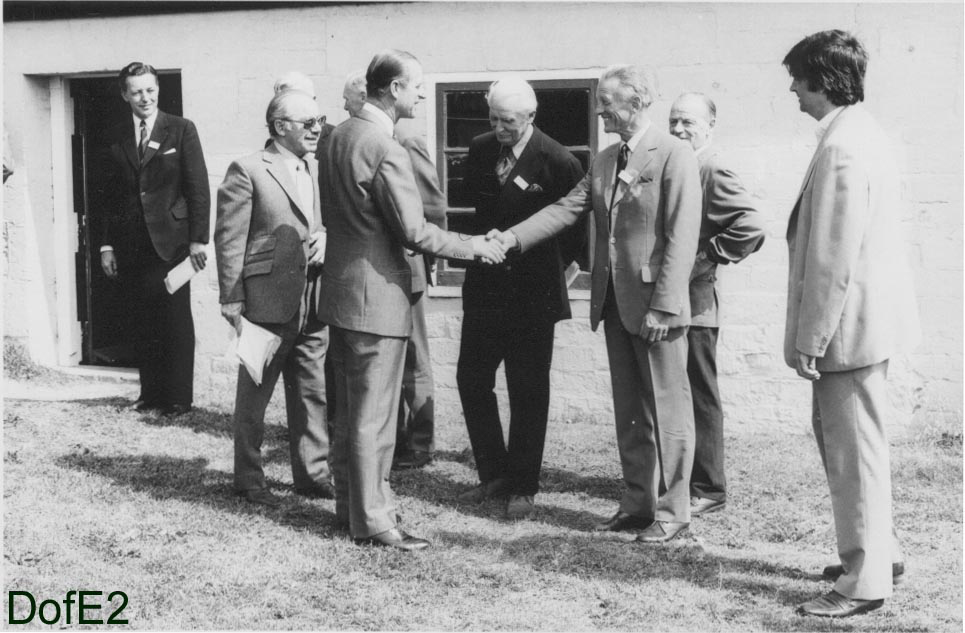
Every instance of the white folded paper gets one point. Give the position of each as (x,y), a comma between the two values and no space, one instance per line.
(255,347)
(179,275)
(570,273)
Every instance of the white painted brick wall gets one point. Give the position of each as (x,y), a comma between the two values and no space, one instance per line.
(730,51)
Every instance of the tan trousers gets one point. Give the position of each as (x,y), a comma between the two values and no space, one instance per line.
(849,414)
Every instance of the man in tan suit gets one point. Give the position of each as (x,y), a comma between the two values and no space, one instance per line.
(270,243)
(374,213)
(644,194)
(851,308)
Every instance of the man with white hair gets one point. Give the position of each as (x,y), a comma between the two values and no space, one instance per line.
(354,92)
(511,310)
(643,194)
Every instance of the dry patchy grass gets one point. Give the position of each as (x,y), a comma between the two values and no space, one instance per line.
(99,497)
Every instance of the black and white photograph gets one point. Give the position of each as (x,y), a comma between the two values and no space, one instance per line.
(459,315)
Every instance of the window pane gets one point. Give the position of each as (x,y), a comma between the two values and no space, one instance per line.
(455,186)
(467,116)
(563,114)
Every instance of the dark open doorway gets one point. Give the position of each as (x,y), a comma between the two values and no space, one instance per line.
(102,310)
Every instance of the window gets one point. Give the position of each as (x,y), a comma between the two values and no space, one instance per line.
(566,113)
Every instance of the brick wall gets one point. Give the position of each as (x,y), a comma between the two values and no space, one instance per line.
(730,51)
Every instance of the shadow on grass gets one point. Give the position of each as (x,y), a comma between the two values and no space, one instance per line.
(168,478)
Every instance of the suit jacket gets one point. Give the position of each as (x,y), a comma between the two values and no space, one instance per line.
(262,236)
(374,212)
(434,205)
(850,297)
(731,228)
(167,191)
(530,286)
(647,240)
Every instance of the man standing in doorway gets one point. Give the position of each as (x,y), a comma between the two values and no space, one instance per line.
(158,208)
(851,308)
(731,229)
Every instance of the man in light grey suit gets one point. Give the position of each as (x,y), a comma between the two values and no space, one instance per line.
(374,213)
(731,228)
(851,307)
(644,195)
(270,244)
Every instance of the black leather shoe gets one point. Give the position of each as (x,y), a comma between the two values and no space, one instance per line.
(260,496)
(411,459)
(833,572)
(142,406)
(174,410)
(495,488)
(623,521)
(318,490)
(834,605)
(395,538)
(662,531)
(702,505)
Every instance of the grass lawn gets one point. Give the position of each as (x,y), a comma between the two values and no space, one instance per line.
(98,497)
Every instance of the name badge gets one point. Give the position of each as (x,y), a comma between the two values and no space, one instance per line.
(627,176)
(153,144)
(521,183)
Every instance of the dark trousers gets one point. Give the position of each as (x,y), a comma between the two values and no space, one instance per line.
(165,332)
(417,405)
(299,359)
(707,479)
(527,351)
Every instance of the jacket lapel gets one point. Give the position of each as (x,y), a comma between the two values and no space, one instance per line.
(792,220)
(129,144)
(276,167)
(523,164)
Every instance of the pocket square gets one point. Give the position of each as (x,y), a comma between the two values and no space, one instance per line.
(534,188)
(170,151)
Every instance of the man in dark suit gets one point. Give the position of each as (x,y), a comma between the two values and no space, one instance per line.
(644,194)
(158,210)
(510,311)
(373,214)
(270,244)
(731,229)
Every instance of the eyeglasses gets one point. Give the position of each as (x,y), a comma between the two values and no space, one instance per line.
(308,124)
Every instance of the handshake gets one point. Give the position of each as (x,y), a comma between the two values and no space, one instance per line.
(492,247)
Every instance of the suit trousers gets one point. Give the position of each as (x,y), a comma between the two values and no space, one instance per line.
(299,359)
(165,332)
(489,339)
(417,405)
(368,383)
(654,416)
(707,478)
(849,414)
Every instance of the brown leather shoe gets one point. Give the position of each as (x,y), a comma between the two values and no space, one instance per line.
(703,505)
(623,521)
(662,531)
(318,490)
(833,572)
(260,496)
(395,538)
(834,605)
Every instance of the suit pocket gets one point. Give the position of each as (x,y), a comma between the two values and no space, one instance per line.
(180,209)
(259,256)
(253,269)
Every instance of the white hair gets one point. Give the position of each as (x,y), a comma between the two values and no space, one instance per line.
(512,93)
(295,80)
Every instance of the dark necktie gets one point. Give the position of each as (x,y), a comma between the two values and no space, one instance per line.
(622,159)
(142,144)
(505,164)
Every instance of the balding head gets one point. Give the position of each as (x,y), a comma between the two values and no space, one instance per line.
(354,92)
(294,80)
(692,119)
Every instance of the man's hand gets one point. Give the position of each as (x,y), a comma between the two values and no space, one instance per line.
(655,326)
(316,253)
(507,238)
(109,264)
(198,255)
(806,367)
(490,251)
(232,312)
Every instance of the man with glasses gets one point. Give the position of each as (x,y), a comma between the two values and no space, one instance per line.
(270,245)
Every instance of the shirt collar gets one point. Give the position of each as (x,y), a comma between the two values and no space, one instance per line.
(381,118)
(521,143)
(635,139)
(825,122)
(149,122)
